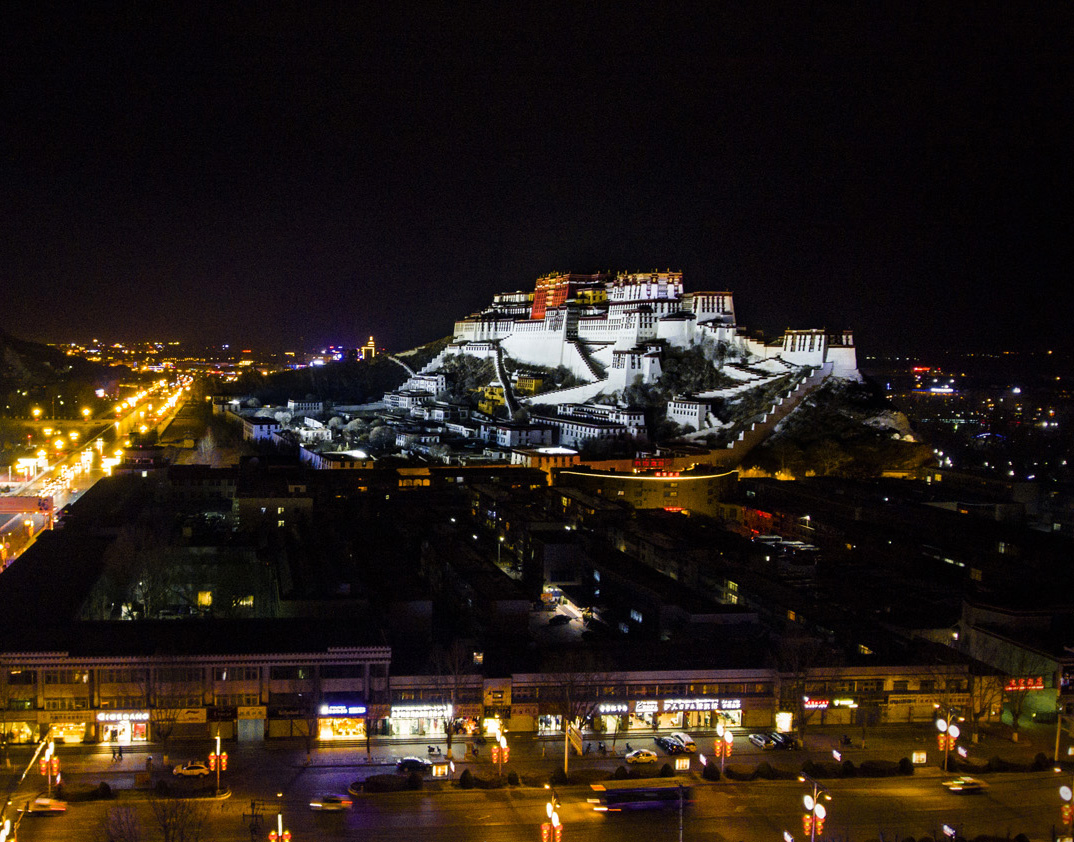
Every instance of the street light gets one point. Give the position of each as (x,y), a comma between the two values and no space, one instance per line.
(949,732)
(724,743)
(813,820)
(1067,810)
(552,830)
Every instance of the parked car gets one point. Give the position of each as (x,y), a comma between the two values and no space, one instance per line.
(414,764)
(559,619)
(685,740)
(762,740)
(965,785)
(47,806)
(671,746)
(193,769)
(641,755)
(331,802)
(783,741)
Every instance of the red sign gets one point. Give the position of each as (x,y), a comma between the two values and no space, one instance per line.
(1026,683)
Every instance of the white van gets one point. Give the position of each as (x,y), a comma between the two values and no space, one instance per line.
(686,740)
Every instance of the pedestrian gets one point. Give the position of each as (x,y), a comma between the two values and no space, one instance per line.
(121,752)
(588,746)
(113,754)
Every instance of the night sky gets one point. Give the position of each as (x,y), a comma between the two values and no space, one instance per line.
(283,175)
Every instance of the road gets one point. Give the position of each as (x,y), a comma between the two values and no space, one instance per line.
(860,809)
(15,536)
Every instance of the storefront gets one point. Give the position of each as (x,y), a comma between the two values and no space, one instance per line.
(425,720)
(342,720)
(121,727)
(250,722)
(21,731)
(611,717)
(683,714)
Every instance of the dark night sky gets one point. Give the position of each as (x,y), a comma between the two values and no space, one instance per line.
(277,175)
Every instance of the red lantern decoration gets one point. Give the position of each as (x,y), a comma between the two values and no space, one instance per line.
(1068,811)
(272,836)
(807,823)
(495,754)
(212,761)
(287,836)
(728,747)
(546,831)
(43,766)
(55,765)
(558,833)
(819,822)
(506,753)
(942,740)
(223,761)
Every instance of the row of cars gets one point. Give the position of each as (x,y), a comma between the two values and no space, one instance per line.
(675,743)
(774,740)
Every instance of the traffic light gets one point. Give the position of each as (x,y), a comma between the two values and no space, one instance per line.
(212,761)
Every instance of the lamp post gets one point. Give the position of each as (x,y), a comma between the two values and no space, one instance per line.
(949,732)
(813,820)
(552,830)
(723,744)
(499,548)
(1067,794)
(279,834)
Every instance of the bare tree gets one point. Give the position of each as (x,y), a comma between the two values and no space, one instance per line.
(1023,668)
(121,824)
(986,697)
(451,668)
(799,658)
(180,819)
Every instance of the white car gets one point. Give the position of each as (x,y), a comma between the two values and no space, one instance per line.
(641,755)
(47,806)
(331,802)
(193,769)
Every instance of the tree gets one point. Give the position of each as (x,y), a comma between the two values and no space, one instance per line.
(382,438)
(180,819)
(986,697)
(121,824)
(452,667)
(799,657)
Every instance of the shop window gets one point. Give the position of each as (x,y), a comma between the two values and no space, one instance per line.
(900,686)
(344,671)
(20,704)
(66,677)
(22,677)
(245,601)
(291,673)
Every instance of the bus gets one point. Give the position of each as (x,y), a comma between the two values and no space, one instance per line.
(651,794)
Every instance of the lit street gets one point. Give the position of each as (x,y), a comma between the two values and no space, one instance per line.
(757,810)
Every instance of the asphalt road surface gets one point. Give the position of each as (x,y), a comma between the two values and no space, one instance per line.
(860,809)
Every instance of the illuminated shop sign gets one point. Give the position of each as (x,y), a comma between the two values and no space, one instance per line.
(814,704)
(674,705)
(421,711)
(613,707)
(1025,683)
(844,703)
(646,707)
(343,710)
(123,716)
